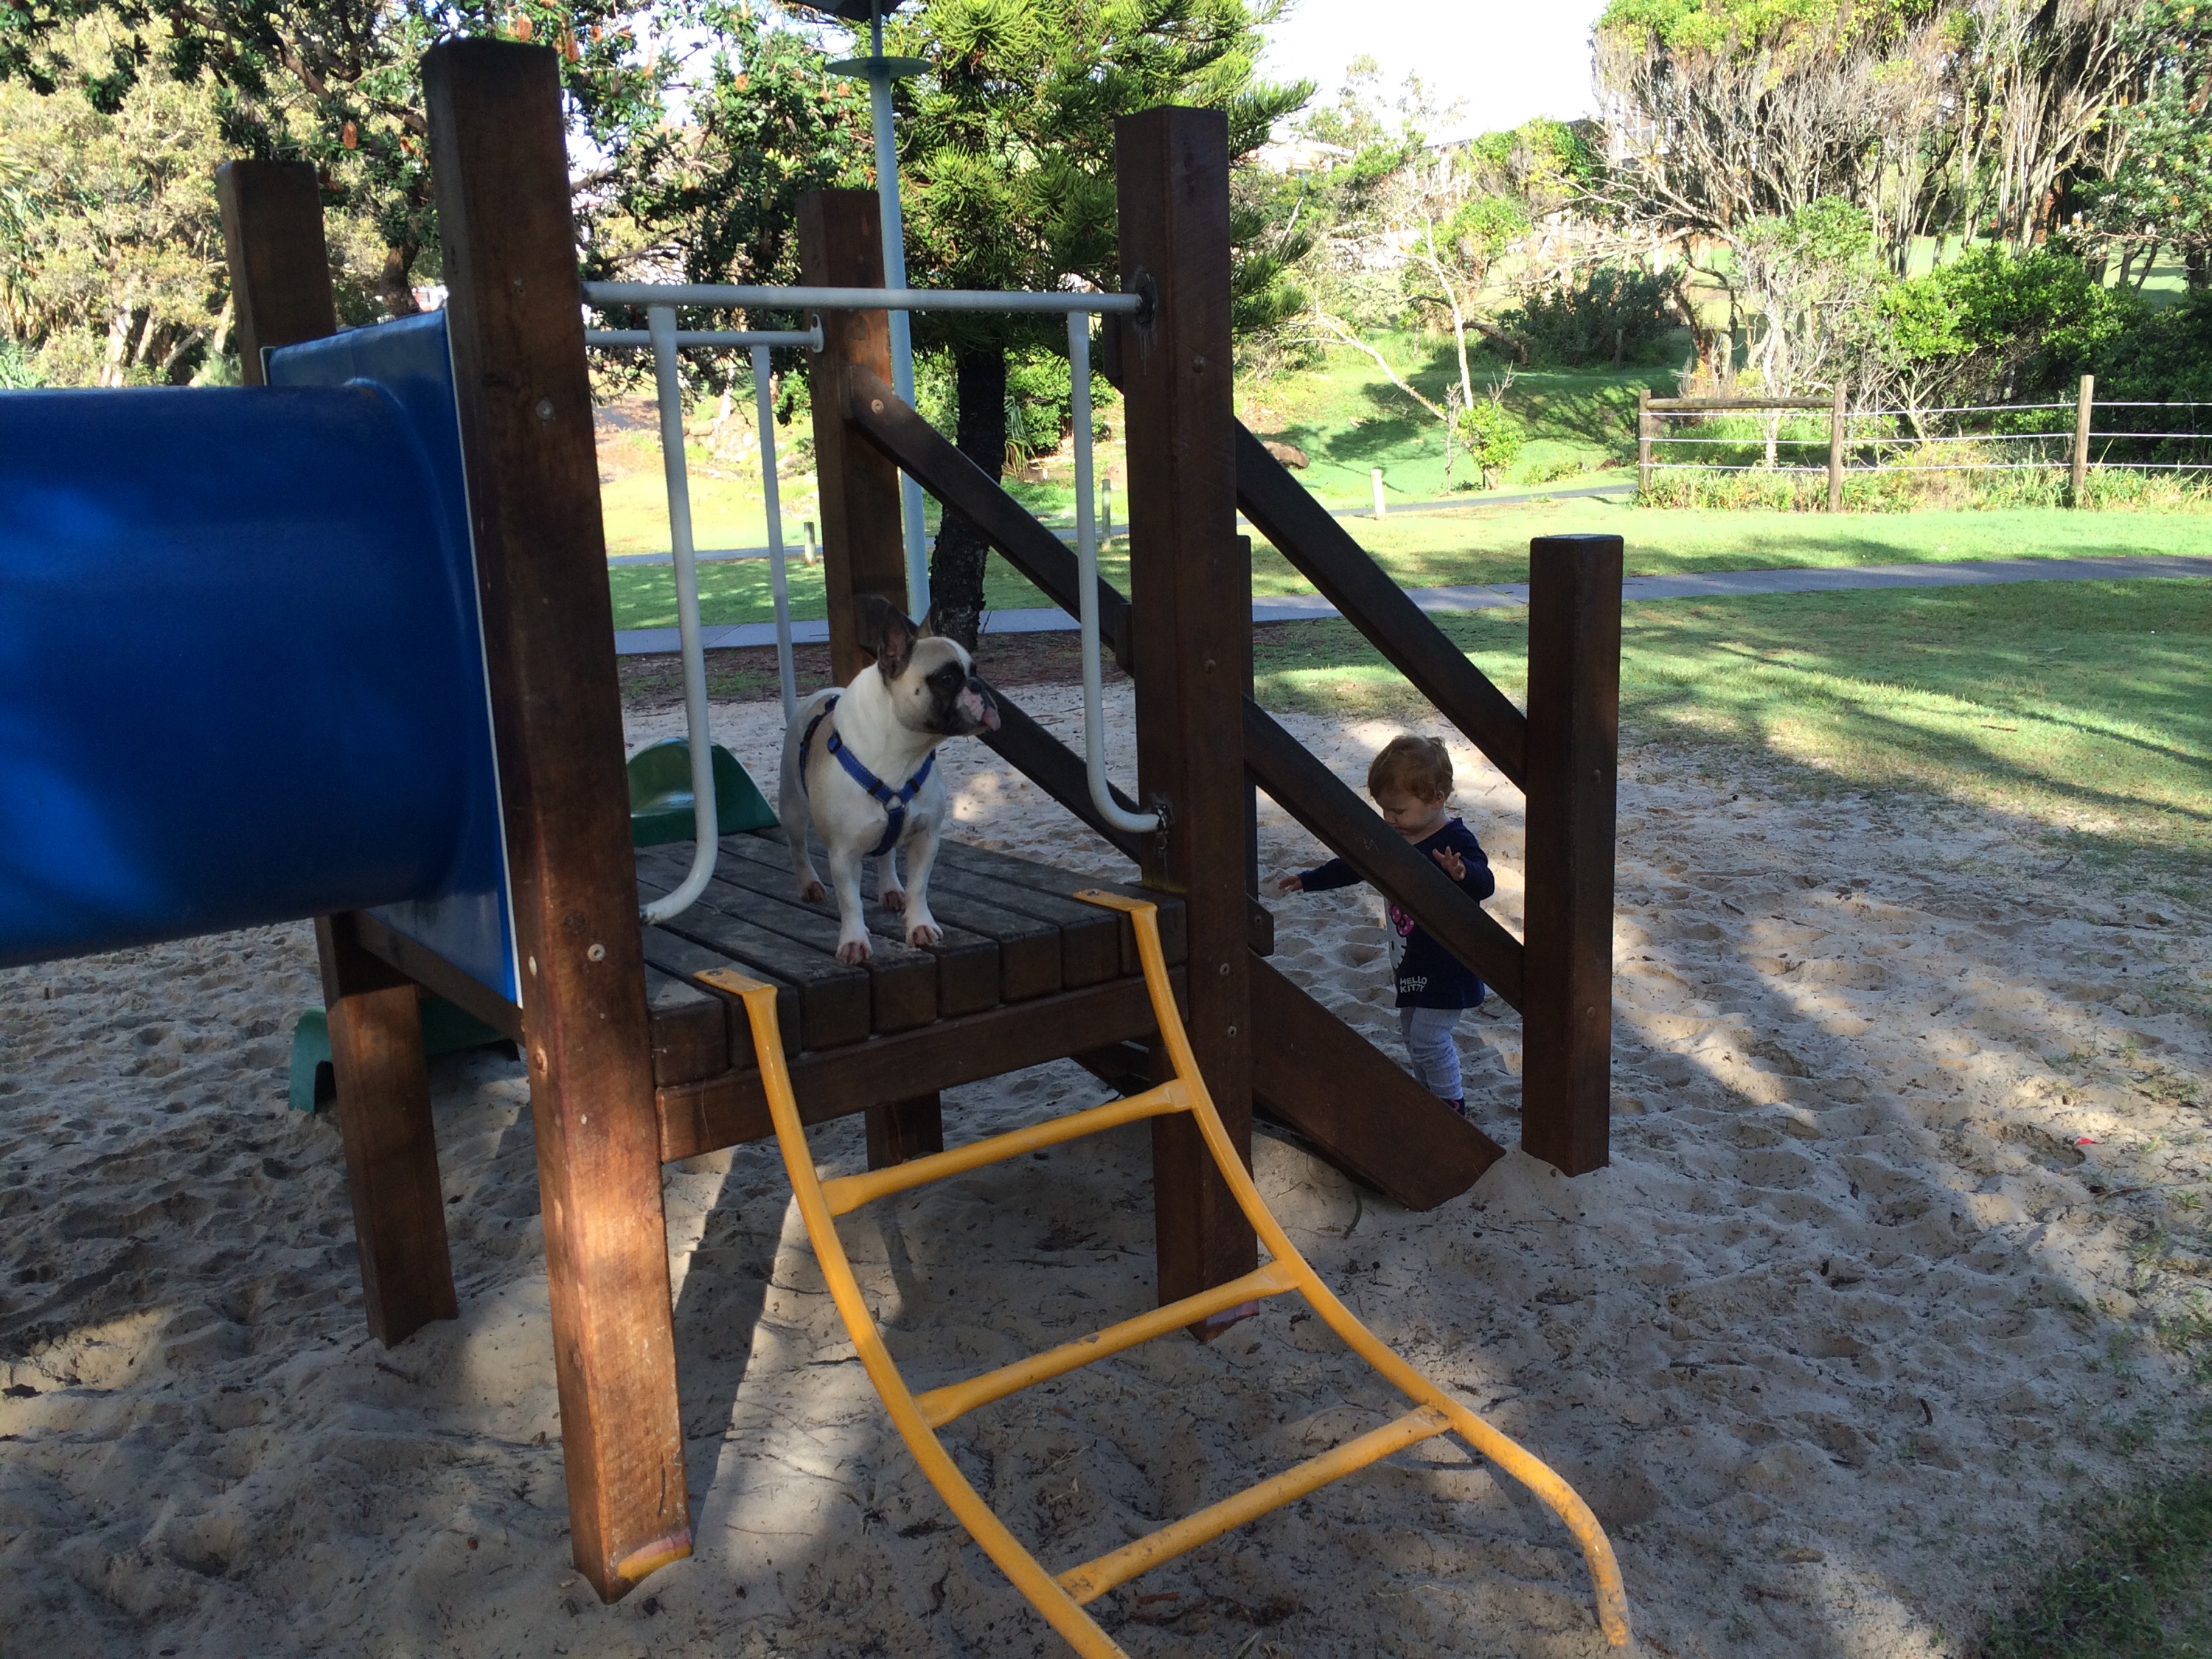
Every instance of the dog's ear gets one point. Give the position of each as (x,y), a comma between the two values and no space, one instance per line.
(929,628)
(884,629)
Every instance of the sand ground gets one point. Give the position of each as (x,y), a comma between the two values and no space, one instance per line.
(1910,1129)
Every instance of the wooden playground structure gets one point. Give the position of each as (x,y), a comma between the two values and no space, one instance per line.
(638,1041)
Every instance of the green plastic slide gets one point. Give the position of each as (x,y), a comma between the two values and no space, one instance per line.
(661,794)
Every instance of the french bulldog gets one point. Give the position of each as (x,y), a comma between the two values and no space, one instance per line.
(859,768)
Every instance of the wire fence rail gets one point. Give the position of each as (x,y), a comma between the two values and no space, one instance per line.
(2106,436)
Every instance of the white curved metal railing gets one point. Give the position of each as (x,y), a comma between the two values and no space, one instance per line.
(659,300)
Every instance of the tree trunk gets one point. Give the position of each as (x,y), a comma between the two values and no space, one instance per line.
(955,564)
(2194,261)
(394,283)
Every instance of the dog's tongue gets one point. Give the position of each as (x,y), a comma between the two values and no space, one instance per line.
(981,707)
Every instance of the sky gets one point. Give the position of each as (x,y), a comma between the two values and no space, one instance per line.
(1509,59)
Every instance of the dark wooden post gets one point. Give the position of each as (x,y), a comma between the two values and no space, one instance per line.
(1644,424)
(840,246)
(502,173)
(280,285)
(280,271)
(2084,406)
(1837,417)
(1191,582)
(1574,724)
(390,1144)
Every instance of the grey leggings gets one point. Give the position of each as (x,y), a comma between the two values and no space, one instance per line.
(1429,1045)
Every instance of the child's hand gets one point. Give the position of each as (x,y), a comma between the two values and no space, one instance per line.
(1292,884)
(1454,864)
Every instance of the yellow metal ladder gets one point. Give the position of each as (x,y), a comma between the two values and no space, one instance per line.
(1062,1597)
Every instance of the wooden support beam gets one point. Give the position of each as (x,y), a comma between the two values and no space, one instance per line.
(1317,1076)
(1191,577)
(840,246)
(939,467)
(733,1108)
(863,548)
(1574,731)
(437,976)
(502,173)
(1312,794)
(391,1145)
(1055,767)
(280,270)
(280,278)
(1322,551)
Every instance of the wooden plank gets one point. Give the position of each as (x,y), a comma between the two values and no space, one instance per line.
(1725,403)
(683,959)
(967,960)
(725,1111)
(391,1143)
(1312,794)
(1194,591)
(1346,1102)
(834,998)
(840,246)
(1175,942)
(280,270)
(690,1029)
(1574,727)
(524,396)
(433,972)
(902,981)
(935,463)
(1322,551)
(1090,938)
(1058,770)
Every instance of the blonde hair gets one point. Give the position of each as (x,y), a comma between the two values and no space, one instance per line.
(1420,767)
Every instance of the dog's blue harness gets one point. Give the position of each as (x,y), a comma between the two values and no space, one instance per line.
(895,801)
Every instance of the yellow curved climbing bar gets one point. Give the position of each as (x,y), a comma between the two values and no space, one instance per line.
(1061,1598)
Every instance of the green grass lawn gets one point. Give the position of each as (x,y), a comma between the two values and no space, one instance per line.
(2083,706)
(1347,418)
(1491,545)
(2142,1588)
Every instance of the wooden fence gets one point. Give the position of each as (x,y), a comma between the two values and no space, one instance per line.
(2114,436)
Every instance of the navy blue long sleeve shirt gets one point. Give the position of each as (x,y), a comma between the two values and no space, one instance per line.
(1428,975)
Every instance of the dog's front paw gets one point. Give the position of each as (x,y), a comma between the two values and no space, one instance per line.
(852,951)
(924,933)
(812,891)
(892,898)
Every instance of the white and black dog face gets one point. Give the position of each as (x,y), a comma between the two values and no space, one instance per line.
(930,680)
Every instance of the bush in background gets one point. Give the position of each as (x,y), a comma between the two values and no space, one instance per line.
(1608,311)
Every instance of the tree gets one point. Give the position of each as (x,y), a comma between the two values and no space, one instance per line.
(336,83)
(1810,281)
(1929,115)
(1007,155)
(2157,186)
(110,245)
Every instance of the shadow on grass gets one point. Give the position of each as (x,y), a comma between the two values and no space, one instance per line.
(2083,706)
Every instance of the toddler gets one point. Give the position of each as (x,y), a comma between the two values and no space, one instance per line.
(1410,781)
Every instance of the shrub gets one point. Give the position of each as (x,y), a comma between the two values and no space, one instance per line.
(1583,321)
(1493,435)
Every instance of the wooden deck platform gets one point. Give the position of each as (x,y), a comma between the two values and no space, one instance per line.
(1026,973)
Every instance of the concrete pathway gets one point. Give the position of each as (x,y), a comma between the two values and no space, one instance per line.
(1477,596)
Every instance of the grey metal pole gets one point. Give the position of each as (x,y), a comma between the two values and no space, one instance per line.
(901,326)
